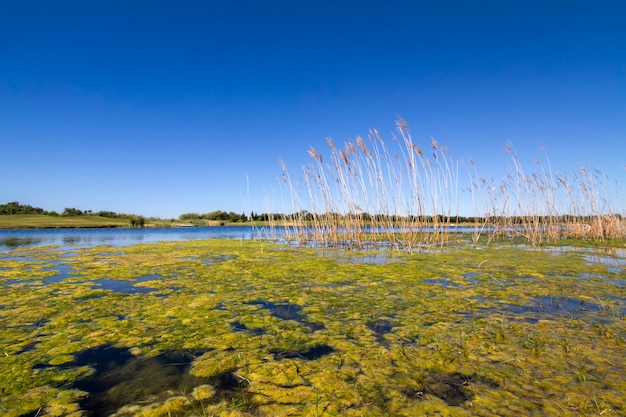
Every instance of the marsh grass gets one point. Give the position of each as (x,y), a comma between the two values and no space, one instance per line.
(372,193)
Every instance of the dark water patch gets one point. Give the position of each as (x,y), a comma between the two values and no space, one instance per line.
(125,287)
(443,282)
(227,382)
(288,311)
(34,325)
(71,240)
(123,379)
(283,311)
(547,307)
(16,242)
(149,277)
(560,305)
(313,353)
(452,388)
(64,271)
(380,327)
(230,388)
(238,326)
(35,413)
(28,348)
(471,277)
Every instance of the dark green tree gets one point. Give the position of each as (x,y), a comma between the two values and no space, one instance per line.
(137,221)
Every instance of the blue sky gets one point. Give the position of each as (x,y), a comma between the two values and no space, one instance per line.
(161,108)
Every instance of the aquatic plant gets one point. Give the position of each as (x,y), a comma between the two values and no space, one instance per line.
(500,330)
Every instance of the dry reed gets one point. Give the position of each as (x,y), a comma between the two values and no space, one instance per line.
(372,194)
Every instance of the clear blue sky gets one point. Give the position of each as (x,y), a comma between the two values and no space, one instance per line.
(161,107)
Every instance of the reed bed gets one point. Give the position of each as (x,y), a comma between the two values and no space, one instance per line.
(371,193)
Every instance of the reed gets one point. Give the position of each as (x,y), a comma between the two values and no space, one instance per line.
(370,193)
(543,206)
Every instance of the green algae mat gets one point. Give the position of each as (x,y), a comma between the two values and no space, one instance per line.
(249,328)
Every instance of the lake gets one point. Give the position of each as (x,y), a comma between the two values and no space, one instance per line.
(89,237)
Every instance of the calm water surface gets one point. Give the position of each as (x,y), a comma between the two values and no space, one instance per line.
(86,237)
(10,239)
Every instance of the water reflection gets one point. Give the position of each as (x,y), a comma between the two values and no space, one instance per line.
(12,239)
(121,378)
(13,242)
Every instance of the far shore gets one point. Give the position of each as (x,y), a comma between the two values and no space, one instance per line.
(39,221)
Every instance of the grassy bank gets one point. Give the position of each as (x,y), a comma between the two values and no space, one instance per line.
(38,221)
(42,221)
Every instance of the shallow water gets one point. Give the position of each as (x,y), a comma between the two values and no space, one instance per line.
(121,379)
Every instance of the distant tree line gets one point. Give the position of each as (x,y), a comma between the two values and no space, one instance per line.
(15,207)
(232,217)
(218,215)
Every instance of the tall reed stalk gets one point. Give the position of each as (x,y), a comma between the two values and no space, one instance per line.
(544,206)
(371,193)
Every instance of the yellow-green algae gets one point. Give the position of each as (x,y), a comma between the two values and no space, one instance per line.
(466,331)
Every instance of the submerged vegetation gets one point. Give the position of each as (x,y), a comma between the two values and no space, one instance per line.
(251,328)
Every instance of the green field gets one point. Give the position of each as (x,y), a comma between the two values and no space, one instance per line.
(39,221)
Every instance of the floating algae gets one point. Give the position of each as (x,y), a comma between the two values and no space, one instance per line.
(280,330)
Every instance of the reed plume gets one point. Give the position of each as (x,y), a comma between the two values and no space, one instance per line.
(370,193)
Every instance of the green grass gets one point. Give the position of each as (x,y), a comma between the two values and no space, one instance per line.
(37,221)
